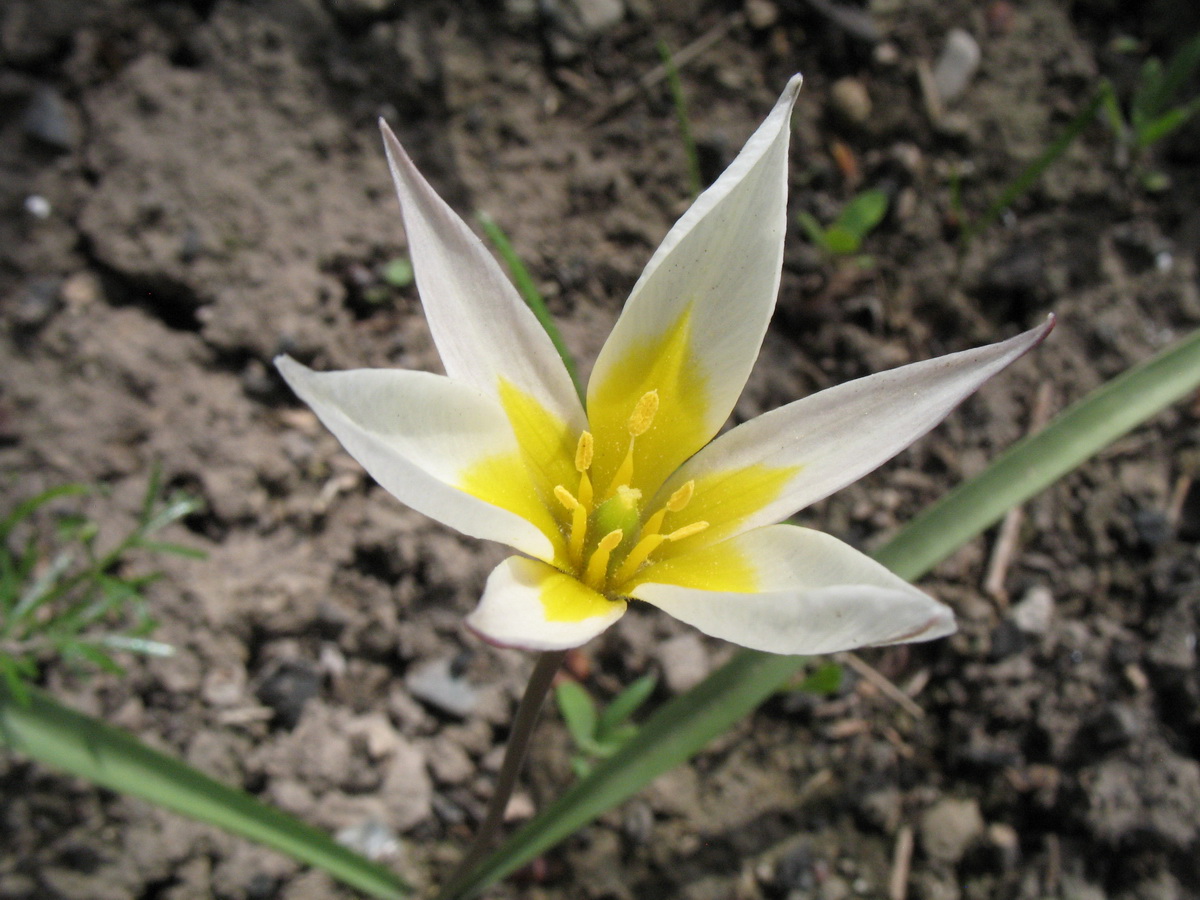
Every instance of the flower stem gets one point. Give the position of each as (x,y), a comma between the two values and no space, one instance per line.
(539,684)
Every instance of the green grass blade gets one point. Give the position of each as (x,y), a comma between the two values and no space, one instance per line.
(1031,173)
(577,710)
(695,182)
(1039,460)
(624,705)
(684,725)
(531,295)
(68,740)
(863,214)
(26,508)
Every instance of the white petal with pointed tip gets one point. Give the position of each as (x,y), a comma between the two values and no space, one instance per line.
(817,595)
(482,327)
(515,610)
(722,259)
(415,433)
(837,436)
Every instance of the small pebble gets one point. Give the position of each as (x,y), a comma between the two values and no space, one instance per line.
(761,14)
(436,685)
(38,206)
(957,65)
(80,290)
(850,100)
(371,838)
(1035,612)
(38,302)
(949,827)
(684,661)
(1004,841)
(288,689)
(48,120)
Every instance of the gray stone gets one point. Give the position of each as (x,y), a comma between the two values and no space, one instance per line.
(957,64)
(761,14)
(436,685)
(684,662)
(1034,613)
(850,100)
(591,18)
(48,120)
(371,838)
(949,827)
(288,689)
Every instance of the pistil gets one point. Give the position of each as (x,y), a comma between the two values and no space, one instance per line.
(619,515)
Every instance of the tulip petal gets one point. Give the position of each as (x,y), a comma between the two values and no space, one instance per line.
(814,594)
(531,605)
(770,467)
(483,330)
(429,441)
(694,323)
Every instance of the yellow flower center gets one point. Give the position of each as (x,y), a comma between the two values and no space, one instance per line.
(610,538)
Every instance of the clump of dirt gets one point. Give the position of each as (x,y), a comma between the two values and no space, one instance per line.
(191,189)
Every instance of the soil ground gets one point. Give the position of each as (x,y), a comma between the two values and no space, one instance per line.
(213,191)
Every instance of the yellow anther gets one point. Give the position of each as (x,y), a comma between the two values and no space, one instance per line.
(638,555)
(682,497)
(686,531)
(584,451)
(643,413)
(597,567)
(579,522)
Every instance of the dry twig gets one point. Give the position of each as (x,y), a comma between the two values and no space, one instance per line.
(1005,547)
(689,53)
(901,864)
(873,675)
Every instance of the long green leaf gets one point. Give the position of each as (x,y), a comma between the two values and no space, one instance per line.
(1036,462)
(684,725)
(531,295)
(69,740)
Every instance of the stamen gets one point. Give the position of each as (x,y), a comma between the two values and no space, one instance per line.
(643,414)
(584,451)
(686,531)
(585,490)
(579,529)
(625,472)
(579,517)
(638,555)
(682,497)
(597,567)
(654,523)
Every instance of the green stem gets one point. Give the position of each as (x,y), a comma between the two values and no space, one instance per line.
(539,684)
(53,734)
